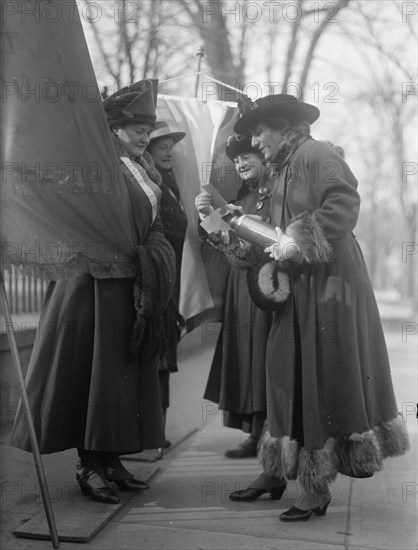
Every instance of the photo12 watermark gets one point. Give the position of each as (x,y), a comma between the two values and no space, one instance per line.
(251,12)
(326,92)
(55,11)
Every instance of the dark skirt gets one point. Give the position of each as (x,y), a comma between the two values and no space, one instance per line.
(86,388)
(237,380)
(164,376)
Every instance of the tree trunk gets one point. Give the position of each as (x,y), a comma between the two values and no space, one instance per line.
(214,33)
(291,49)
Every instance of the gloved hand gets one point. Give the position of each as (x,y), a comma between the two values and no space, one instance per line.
(285,249)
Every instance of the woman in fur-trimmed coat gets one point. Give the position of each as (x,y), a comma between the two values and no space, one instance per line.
(331,405)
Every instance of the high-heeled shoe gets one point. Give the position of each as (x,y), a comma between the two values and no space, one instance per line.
(295,514)
(131,485)
(95,486)
(252,493)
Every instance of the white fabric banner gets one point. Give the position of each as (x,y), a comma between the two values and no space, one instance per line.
(198,160)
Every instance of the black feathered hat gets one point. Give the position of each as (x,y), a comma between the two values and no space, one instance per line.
(279,105)
(134,103)
(238,145)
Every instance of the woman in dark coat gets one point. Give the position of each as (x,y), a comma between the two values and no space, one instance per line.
(331,406)
(174,220)
(237,380)
(90,381)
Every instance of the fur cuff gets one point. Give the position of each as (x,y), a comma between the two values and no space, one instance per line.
(269,286)
(310,238)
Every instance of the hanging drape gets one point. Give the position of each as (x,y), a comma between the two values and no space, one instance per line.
(64,204)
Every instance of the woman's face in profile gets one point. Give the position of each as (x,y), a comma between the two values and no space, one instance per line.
(135,137)
(268,140)
(249,166)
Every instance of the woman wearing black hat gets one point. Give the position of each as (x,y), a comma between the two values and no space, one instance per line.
(331,402)
(91,383)
(237,380)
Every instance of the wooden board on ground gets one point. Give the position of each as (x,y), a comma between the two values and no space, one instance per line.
(78,518)
(152,455)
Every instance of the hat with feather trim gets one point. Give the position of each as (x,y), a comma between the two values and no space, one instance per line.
(279,105)
(134,103)
(268,285)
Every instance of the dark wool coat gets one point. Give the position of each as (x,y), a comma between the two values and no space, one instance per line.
(174,222)
(237,379)
(86,387)
(330,400)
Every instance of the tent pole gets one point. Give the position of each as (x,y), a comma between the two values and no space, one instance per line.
(200,55)
(32,434)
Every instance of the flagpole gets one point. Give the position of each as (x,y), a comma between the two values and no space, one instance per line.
(32,434)
(200,55)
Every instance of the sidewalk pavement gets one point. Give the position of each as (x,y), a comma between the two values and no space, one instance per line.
(188,507)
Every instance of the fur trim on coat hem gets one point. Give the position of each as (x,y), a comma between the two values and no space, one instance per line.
(310,238)
(356,455)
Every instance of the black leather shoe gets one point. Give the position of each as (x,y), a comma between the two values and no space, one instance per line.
(131,485)
(252,493)
(247,449)
(95,486)
(294,514)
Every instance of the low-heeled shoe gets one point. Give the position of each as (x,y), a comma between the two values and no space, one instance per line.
(131,485)
(95,486)
(252,493)
(295,514)
(247,449)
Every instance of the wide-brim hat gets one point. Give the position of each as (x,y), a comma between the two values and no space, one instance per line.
(239,145)
(134,103)
(279,105)
(163,130)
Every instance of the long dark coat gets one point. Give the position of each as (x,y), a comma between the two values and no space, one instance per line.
(86,388)
(237,379)
(331,405)
(174,222)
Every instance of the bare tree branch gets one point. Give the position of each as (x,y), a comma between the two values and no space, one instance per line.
(291,49)
(314,42)
(105,58)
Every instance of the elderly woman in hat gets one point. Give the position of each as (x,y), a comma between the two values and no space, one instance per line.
(237,379)
(174,220)
(330,402)
(91,382)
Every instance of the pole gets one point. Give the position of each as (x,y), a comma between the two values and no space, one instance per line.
(200,55)
(32,434)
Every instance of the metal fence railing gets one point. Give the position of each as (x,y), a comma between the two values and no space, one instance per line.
(25,292)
